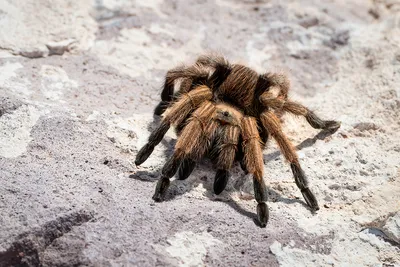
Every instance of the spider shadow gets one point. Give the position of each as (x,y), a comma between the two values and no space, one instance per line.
(276,197)
(178,188)
(207,182)
(304,144)
(145,176)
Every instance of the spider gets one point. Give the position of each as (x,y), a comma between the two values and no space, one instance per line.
(227,112)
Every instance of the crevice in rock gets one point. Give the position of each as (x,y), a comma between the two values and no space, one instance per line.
(381,234)
(377,227)
(27,249)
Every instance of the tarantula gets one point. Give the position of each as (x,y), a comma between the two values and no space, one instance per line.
(227,112)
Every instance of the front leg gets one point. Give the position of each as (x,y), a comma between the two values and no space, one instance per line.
(253,161)
(226,145)
(186,168)
(169,170)
(192,144)
(176,115)
(155,138)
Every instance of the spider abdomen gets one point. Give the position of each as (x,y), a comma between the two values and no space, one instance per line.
(240,85)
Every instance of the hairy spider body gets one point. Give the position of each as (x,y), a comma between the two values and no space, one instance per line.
(227,111)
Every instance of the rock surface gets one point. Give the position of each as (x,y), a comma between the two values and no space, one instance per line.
(78,84)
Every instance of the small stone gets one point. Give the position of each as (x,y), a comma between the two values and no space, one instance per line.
(392,227)
(334,187)
(309,22)
(58,48)
(338,162)
(365,126)
(32,53)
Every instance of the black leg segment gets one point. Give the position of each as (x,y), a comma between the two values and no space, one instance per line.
(169,170)
(261,196)
(168,90)
(302,183)
(161,107)
(161,189)
(154,139)
(186,168)
(318,123)
(171,167)
(220,181)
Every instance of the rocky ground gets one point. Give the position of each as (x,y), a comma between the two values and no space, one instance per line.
(78,84)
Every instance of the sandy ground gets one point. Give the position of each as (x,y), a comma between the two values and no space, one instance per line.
(78,84)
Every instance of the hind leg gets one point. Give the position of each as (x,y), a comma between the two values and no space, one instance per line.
(253,161)
(187,75)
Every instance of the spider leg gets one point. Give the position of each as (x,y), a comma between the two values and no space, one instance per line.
(253,160)
(154,139)
(221,180)
(188,75)
(311,117)
(186,168)
(192,144)
(167,92)
(212,60)
(227,140)
(269,100)
(169,170)
(177,113)
(240,157)
(271,122)
(220,67)
(280,82)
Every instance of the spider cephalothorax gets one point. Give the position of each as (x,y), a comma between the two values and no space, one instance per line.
(227,112)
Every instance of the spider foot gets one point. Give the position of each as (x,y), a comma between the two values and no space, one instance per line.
(220,181)
(262,214)
(161,189)
(310,199)
(332,125)
(143,154)
(185,169)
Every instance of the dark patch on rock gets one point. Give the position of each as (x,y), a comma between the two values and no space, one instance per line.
(8,104)
(28,248)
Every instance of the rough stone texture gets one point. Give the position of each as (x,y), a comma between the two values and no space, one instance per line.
(79,81)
